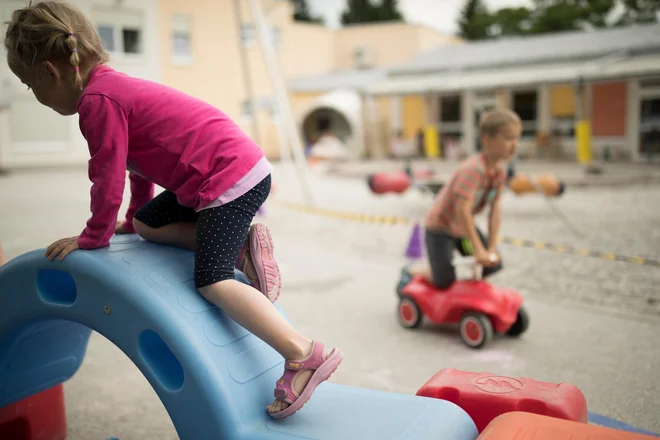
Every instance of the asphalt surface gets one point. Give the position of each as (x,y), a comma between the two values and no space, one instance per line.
(594,323)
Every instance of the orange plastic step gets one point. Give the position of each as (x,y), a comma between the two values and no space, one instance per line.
(528,426)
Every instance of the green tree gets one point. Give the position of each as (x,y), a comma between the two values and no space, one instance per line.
(302,12)
(569,15)
(389,11)
(475,21)
(639,11)
(547,16)
(511,21)
(365,11)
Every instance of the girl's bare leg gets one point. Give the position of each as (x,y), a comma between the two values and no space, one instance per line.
(254,312)
(175,234)
(244,304)
(3,260)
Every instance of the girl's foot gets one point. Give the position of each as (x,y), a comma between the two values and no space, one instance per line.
(256,260)
(300,379)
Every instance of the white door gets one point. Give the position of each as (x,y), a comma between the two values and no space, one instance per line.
(30,133)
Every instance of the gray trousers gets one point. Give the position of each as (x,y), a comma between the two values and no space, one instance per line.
(440,249)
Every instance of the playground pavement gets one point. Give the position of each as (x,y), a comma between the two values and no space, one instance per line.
(594,323)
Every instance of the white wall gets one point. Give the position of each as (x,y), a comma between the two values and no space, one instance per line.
(32,135)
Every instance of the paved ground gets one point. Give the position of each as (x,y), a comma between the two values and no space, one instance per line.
(594,323)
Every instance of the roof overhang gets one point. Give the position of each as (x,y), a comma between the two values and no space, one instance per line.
(518,76)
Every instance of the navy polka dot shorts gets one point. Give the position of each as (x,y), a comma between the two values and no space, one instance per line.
(221,231)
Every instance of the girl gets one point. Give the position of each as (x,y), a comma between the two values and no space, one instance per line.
(215,178)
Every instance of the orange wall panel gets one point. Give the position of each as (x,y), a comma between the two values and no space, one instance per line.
(609,109)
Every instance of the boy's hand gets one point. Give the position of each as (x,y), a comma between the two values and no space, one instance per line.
(62,248)
(484,258)
(494,256)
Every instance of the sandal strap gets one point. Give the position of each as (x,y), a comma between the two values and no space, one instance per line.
(284,388)
(311,362)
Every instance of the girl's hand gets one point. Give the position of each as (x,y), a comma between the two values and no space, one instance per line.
(62,248)
(119,229)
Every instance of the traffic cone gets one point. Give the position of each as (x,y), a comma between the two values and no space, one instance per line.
(415,246)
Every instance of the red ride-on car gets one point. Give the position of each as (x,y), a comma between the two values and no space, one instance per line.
(480,309)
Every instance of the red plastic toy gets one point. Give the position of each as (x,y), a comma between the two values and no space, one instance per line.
(383,183)
(485,396)
(480,309)
(38,417)
(526,426)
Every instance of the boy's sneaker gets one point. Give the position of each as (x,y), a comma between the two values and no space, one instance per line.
(256,260)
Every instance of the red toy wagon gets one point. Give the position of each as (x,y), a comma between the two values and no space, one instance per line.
(481,309)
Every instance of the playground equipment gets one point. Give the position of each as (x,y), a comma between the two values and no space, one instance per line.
(41,416)
(383,183)
(547,183)
(398,182)
(415,249)
(214,378)
(480,309)
(529,426)
(485,396)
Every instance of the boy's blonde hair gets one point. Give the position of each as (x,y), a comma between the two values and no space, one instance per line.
(51,31)
(493,120)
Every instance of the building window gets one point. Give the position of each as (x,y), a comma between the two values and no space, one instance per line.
(525,104)
(276,36)
(181,39)
(451,129)
(132,40)
(107,34)
(248,34)
(247,111)
(121,31)
(450,108)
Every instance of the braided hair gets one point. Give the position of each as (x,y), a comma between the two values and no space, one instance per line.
(52,31)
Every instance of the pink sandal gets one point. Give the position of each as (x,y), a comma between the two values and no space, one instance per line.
(323,370)
(260,242)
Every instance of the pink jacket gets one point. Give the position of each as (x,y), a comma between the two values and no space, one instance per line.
(162,136)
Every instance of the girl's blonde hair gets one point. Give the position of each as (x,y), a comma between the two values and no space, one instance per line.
(52,31)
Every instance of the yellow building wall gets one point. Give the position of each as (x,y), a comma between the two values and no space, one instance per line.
(562,99)
(200,77)
(412,115)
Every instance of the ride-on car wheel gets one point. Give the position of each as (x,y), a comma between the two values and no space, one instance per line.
(522,323)
(409,314)
(476,330)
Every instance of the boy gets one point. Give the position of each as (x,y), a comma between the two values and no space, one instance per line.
(477,183)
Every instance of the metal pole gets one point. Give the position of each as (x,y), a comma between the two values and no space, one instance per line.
(282,99)
(247,78)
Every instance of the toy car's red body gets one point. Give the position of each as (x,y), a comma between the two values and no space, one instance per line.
(480,308)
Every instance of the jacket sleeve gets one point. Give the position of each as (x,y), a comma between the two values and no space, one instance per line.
(104,125)
(142,191)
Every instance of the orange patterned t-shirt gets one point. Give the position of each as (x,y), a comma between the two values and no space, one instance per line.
(472,181)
